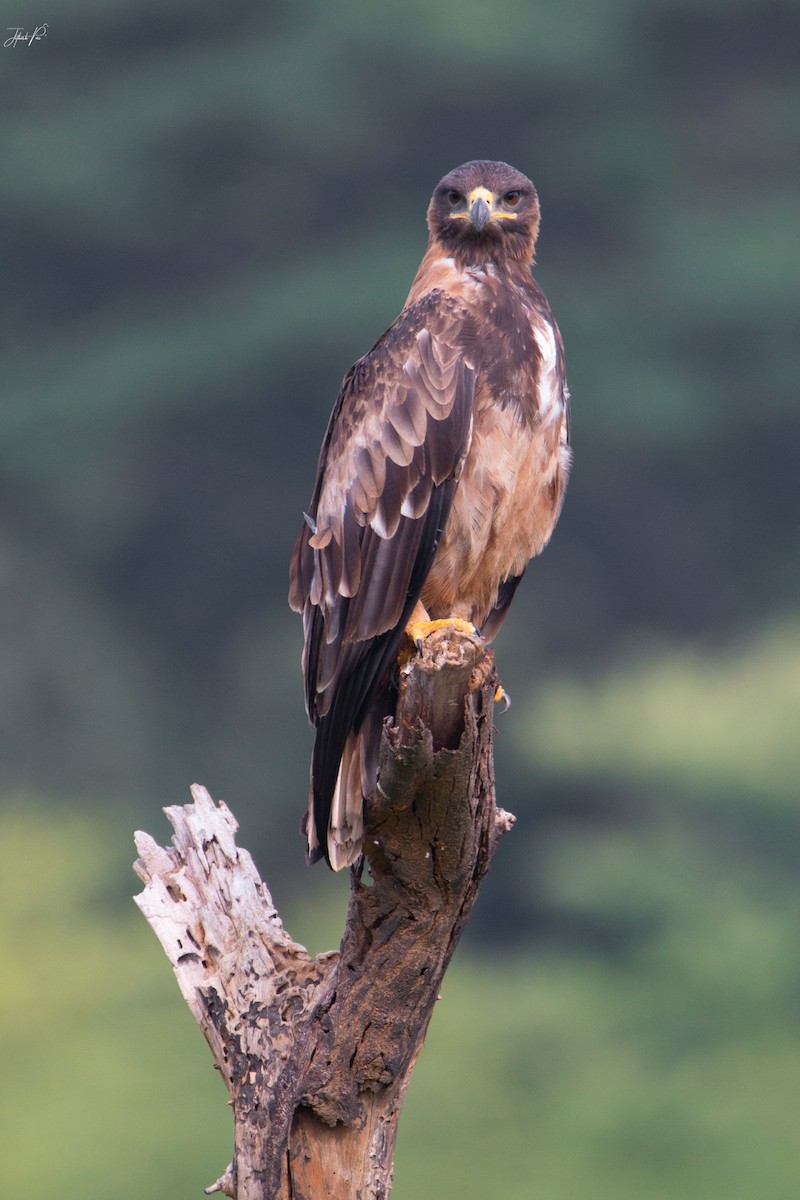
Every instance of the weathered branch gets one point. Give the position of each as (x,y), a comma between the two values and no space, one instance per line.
(317,1053)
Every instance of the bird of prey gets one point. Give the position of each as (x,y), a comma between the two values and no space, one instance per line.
(442,473)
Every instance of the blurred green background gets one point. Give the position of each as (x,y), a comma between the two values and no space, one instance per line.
(208,212)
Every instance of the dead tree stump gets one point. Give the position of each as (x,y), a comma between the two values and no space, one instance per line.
(317,1053)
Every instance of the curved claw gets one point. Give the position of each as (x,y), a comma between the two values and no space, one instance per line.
(502,695)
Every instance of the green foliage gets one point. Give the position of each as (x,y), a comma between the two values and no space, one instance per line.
(107,1086)
(568,1078)
(705,725)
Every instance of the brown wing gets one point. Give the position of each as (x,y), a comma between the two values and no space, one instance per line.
(395,443)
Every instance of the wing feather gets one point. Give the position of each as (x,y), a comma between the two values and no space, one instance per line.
(409,418)
(395,449)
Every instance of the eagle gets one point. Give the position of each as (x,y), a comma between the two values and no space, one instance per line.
(441,474)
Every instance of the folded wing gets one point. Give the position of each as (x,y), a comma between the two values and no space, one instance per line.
(392,454)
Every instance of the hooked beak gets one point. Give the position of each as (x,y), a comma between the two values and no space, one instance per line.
(480,206)
(479,211)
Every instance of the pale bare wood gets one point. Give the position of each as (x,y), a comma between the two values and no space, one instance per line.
(317,1053)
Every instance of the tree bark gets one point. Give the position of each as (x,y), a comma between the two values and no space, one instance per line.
(317,1053)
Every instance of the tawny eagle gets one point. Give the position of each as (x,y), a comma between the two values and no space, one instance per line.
(441,475)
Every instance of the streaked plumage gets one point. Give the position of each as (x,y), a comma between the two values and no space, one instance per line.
(441,474)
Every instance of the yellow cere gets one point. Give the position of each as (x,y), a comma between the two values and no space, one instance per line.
(480,193)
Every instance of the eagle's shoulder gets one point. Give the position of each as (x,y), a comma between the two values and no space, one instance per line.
(441,315)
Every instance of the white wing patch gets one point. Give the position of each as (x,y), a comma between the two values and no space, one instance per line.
(551,399)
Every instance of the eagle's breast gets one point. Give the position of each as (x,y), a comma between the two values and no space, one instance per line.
(513,478)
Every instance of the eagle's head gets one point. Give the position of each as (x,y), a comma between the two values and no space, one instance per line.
(485,211)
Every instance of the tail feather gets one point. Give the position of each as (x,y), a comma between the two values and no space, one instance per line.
(342,841)
(345,834)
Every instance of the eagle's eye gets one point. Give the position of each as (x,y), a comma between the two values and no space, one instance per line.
(453,197)
(512,199)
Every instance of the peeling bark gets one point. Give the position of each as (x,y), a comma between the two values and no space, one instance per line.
(317,1053)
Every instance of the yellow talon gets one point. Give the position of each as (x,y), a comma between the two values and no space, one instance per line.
(418,630)
(502,695)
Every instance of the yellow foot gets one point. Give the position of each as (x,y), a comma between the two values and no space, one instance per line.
(501,695)
(418,630)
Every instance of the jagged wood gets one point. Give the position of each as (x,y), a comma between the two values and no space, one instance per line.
(317,1053)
